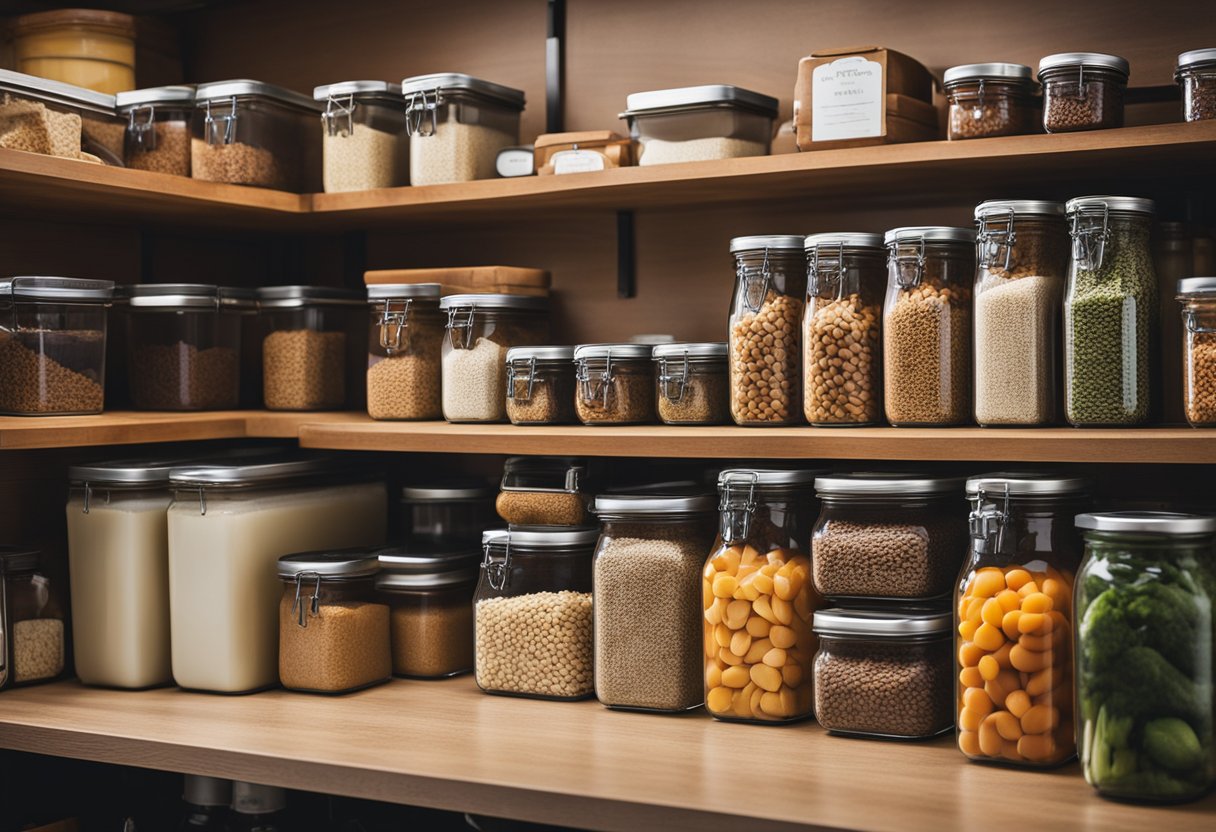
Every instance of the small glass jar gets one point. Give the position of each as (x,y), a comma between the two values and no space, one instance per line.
(403,365)
(540,385)
(363,140)
(841,339)
(766,310)
(428,586)
(53,345)
(647,608)
(532,613)
(927,325)
(1198,297)
(615,384)
(884,674)
(1145,595)
(1196,74)
(33,633)
(698,124)
(692,383)
(1082,91)
(158,128)
(995,99)
(887,537)
(308,342)
(543,491)
(1014,620)
(480,331)
(1110,312)
(1022,251)
(333,634)
(447,510)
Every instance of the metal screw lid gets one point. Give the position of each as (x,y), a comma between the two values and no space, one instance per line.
(1196,286)
(1147,522)
(585,351)
(772,242)
(993,72)
(881,622)
(1020,207)
(542,537)
(349,563)
(1087,60)
(1129,204)
(1195,58)
(706,350)
(928,233)
(629,505)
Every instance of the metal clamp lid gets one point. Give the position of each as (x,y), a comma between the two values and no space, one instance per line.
(428,563)
(991,496)
(990,72)
(1147,522)
(1083,61)
(675,365)
(907,249)
(891,623)
(1090,224)
(532,539)
(996,232)
(883,484)
(557,474)
(825,257)
(173,96)
(56,289)
(424,94)
(57,92)
(224,91)
(657,102)
(277,297)
(448,492)
(393,291)
(1196,288)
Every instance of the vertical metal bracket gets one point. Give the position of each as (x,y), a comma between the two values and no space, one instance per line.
(555,67)
(354,258)
(626,256)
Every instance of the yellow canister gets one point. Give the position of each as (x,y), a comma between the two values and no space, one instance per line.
(85,47)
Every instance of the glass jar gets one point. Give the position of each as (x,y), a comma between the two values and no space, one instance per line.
(758,600)
(32,632)
(995,99)
(927,325)
(540,385)
(1022,252)
(1196,74)
(363,140)
(309,338)
(532,613)
(647,608)
(1014,620)
(883,674)
(1082,91)
(1145,655)
(697,124)
(457,124)
(53,345)
(766,310)
(887,537)
(1110,312)
(841,339)
(615,384)
(480,331)
(158,128)
(1198,297)
(428,586)
(206,802)
(58,119)
(692,383)
(403,366)
(258,808)
(448,510)
(543,491)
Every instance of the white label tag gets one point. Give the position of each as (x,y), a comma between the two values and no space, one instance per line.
(577,161)
(846,100)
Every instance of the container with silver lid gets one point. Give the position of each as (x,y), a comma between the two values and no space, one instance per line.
(540,385)
(1198,298)
(696,124)
(447,509)
(403,365)
(158,128)
(252,133)
(692,383)
(615,384)
(363,140)
(311,336)
(995,99)
(1082,91)
(58,119)
(544,491)
(1196,74)
(457,124)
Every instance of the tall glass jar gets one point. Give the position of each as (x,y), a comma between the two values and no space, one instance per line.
(532,613)
(841,329)
(615,384)
(541,385)
(33,636)
(692,383)
(1022,253)
(1145,597)
(927,325)
(1196,74)
(1110,312)
(758,599)
(403,367)
(1082,91)
(1198,297)
(310,336)
(1014,620)
(647,610)
(996,99)
(770,284)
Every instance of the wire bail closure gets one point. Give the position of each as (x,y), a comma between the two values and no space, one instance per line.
(1089,239)
(595,385)
(674,384)
(421,116)
(755,286)
(211,120)
(515,372)
(335,112)
(499,572)
(460,326)
(988,521)
(991,241)
(909,268)
(736,515)
(394,325)
(313,608)
(142,132)
(819,275)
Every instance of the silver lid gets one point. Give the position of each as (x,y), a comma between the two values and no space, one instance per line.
(768,476)
(1197,286)
(259,470)
(56,289)
(1088,60)
(626,351)
(1026,485)
(393,291)
(1020,207)
(563,354)
(428,563)
(444,493)
(18,558)
(282,297)
(522,303)
(458,82)
(358,89)
(186,295)
(1130,204)
(330,564)
(880,484)
(1196,57)
(653,102)
(639,504)
(847,239)
(126,471)
(542,537)
(928,233)
(179,94)
(240,87)
(206,791)
(773,242)
(994,71)
(881,623)
(254,799)
(57,92)
(710,350)
(1149,522)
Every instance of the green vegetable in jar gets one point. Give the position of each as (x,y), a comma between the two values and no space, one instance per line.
(1171,743)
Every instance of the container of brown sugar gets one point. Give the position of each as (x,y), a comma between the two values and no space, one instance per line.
(543,491)
(540,385)
(158,128)
(310,332)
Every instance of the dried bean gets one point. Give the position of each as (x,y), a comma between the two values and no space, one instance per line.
(537,644)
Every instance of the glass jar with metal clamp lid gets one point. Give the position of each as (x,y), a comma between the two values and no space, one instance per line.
(927,325)
(1198,297)
(1082,91)
(158,128)
(457,124)
(1014,619)
(841,340)
(540,385)
(532,613)
(615,384)
(33,635)
(1110,312)
(1196,74)
(363,140)
(543,491)
(996,99)
(692,383)
(1022,250)
(403,364)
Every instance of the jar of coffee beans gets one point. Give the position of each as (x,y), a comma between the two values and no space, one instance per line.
(990,100)
(1196,74)
(1082,91)
(615,384)
(692,383)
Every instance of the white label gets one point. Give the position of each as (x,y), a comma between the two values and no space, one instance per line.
(514,161)
(577,161)
(846,100)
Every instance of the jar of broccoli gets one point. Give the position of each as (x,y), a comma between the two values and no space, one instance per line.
(1144,655)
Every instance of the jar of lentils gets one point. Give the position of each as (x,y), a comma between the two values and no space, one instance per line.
(615,384)
(692,383)
(540,385)
(403,368)
(1082,91)
(1198,297)
(990,100)
(1196,74)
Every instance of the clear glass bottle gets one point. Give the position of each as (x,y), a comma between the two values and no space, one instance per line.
(158,128)
(363,140)
(1145,597)
(692,383)
(312,335)
(615,384)
(1198,298)
(1196,74)
(207,800)
(1082,91)
(403,365)
(543,491)
(995,99)
(541,386)
(1014,620)
(33,633)
(1110,312)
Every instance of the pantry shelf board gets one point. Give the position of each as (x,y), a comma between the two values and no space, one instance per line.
(118,428)
(446,745)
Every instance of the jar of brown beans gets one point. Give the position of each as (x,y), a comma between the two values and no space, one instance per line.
(1082,91)
(615,384)
(692,383)
(990,100)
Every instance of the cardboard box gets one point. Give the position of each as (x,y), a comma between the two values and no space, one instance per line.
(472,280)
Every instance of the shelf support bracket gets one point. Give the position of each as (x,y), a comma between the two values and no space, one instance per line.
(626,256)
(555,67)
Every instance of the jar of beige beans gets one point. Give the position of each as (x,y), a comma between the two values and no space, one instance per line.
(363,140)
(841,341)
(310,339)
(540,385)
(927,325)
(615,384)
(766,310)
(403,368)
(158,128)
(692,383)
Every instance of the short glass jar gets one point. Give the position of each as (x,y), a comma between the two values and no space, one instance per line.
(996,99)
(363,140)
(884,673)
(1196,74)
(1082,91)
(403,366)
(158,128)
(540,385)
(33,633)
(615,384)
(543,491)
(447,510)
(309,339)
(1198,298)
(692,383)
(333,634)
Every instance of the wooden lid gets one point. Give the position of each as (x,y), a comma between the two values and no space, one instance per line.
(114,23)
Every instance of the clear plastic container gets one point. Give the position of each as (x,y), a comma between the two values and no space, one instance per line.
(692,383)
(696,124)
(1196,74)
(457,124)
(33,633)
(88,47)
(996,99)
(310,335)
(403,364)
(541,385)
(53,345)
(447,510)
(1198,297)
(543,491)
(1082,91)
(57,119)
(158,128)
(615,384)
(363,140)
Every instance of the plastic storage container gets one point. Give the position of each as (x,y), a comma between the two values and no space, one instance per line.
(228,526)
(532,628)
(53,345)
(448,510)
(1014,620)
(615,384)
(696,124)
(57,119)
(86,47)
(1198,297)
(841,329)
(896,537)
(251,133)
(543,491)
(310,334)
(1196,74)
(403,364)
(692,383)
(480,331)
(363,140)
(766,311)
(1082,91)
(540,385)
(884,674)
(1022,249)
(333,633)
(457,124)
(996,99)
(158,128)
(33,633)
(927,325)
(1145,595)
(1110,312)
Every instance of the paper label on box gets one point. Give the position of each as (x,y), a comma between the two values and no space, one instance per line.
(577,161)
(846,100)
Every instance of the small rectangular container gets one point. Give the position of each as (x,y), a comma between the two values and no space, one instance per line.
(693,388)
(56,119)
(1082,91)
(363,140)
(615,384)
(543,491)
(33,633)
(403,365)
(540,385)
(158,128)
(449,510)
(696,124)
(309,333)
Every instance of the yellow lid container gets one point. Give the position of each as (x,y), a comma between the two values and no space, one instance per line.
(85,47)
